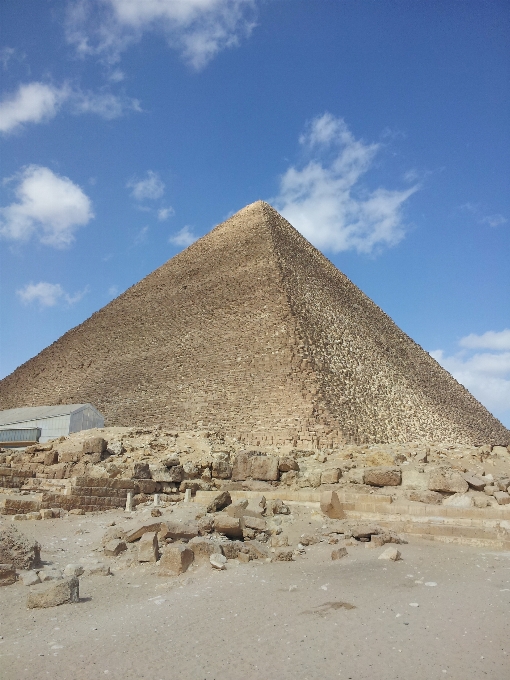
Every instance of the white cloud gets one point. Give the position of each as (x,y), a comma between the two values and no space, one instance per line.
(184,237)
(32,103)
(489,340)
(49,207)
(485,374)
(149,188)
(38,102)
(141,237)
(165,213)
(48,294)
(494,220)
(325,200)
(198,29)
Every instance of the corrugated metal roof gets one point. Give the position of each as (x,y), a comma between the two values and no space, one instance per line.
(19,415)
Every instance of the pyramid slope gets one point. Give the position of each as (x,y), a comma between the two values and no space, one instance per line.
(254,331)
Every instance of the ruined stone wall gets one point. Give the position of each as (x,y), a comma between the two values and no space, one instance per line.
(375,380)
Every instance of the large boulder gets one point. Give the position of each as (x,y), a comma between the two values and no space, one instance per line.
(18,550)
(382,476)
(264,468)
(447,480)
(179,530)
(54,594)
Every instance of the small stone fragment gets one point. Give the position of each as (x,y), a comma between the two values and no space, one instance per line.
(77,511)
(219,502)
(73,570)
(218,561)
(502,497)
(29,578)
(284,555)
(7,574)
(148,548)
(390,554)
(338,553)
(115,547)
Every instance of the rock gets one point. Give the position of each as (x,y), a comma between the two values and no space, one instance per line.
(50,574)
(377,541)
(364,530)
(19,518)
(257,550)
(70,451)
(279,541)
(355,476)
(204,547)
(139,531)
(7,574)
(308,539)
(382,476)
(175,559)
(231,549)
(77,511)
(331,505)
(179,530)
(97,569)
(338,553)
(283,556)
(18,550)
(112,534)
(390,554)
(116,547)
(255,523)
(29,578)
(171,461)
(73,570)
(165,474)
(221,469)
(448,480)
(115,448)
(431,497)
(264,468)
(51,458)
(502,497)
(286,464)
(501,451)
(481,502)
(205,525)
(229,526)
(46,513)
(94,445)
(219,502)
(244,557)
(474,481)
(218,561)
(148,548)
(277,507)
(141,471)
(458,500)
(503,484)
(490,489)
(156,512)
(241,470)
(330,476)
(415,478)
(310,478)
(62,592)
(33,515)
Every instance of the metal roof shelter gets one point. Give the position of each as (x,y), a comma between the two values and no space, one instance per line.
(53,421)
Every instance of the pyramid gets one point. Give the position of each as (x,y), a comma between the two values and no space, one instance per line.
(252,331)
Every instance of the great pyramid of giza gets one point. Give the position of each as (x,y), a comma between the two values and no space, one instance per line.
(251,330)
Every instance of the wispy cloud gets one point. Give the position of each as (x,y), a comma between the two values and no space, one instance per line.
(49,207)
(38,102)
(183,238)
(326,200)
(485,374)
(494,220)
(151,187)
(48,294)
(141,237)
(476,209)
(165,213)
(198,29)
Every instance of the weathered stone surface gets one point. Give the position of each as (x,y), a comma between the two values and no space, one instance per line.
(474,481)
(7,574)
(413,478)
(257,550)
(308,539)
(431,497)
(382,476)
(338,553)
(229,526)
(279,541)
(364,530)
(310,478)
(286,464)
(113,533)
(331,505)
(255,523)
(377,541)
(60,592)
(175,559)
(29,578)
(116,546)
(70,451)
(219,502)
(141,471)
(73,570)
(77,511)
(330,476)
(139,531)
(490,489)
(390,554)
(218,561)
(459,500)
(241,468)
(17,549)
(148,548)
(94,445)
(503,484)
(502,497)
(178,530)
(51,458)
(277,507)
(481,502)
(50,574)
(96,569)
(167,474)
(448,480)
(264,468)
(204,547)
(231,549)
(244,557)
(221,469)
(283,555)
(46,513)
(500,451)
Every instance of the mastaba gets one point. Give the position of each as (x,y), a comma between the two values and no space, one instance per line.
(252,331)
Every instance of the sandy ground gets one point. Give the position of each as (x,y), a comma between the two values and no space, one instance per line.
(441,612)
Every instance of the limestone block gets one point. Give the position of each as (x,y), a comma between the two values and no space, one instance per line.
(148,548)
(73,570)
(70,451)
(50,458)
(204,547)
(29,578)
(94,445)
(116,547)
(502,497)
(113,533)
(413,478)
(257,550)
(284,555)
(390,554)
(164,474)
(382,476)
(474,481)
(431,497)
(17,549)
(255,523)
(330,476)
(139,531)
(96,569)
(141,471)
(7,574)
(50,574)
(218,561)
(264,468)
(175,559)
(54,594)
(231,549)
(448,480)
(179,530)
(219,502)
(46,513)
(286,464)
(331,505)
(229,526)
(459,500)
(338,553)
(221,469)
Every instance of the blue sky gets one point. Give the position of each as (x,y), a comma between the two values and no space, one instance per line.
(379,129)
